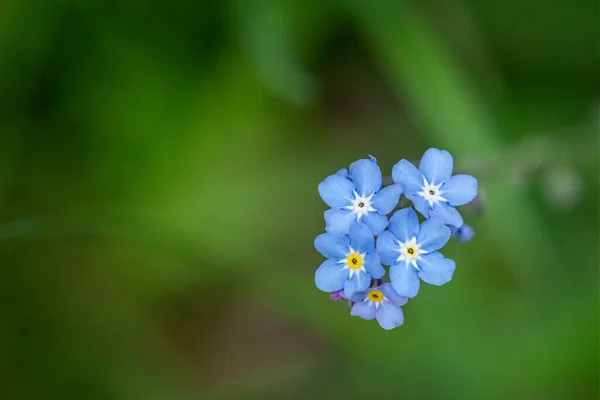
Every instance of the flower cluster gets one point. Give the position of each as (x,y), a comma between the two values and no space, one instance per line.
(360,238)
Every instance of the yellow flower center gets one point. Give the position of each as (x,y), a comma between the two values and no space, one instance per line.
(375,296)
(355,261)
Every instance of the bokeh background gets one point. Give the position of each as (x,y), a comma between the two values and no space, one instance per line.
(158,171)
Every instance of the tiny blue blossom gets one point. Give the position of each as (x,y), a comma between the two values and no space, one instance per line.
(411,248)
(463,234)
(351,261)
(432,188)
(356,196)
(381,303)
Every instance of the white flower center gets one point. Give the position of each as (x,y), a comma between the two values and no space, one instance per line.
(361,205)
(354,262)
(431,192)
(410,252)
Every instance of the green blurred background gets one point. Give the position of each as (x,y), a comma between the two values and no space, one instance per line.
(158,171)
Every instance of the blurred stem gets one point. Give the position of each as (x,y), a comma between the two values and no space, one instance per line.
(266,37)
(533,153)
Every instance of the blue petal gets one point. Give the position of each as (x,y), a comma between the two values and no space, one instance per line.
(357,296)
(404,224)
(447,213)
(373,265)
(330,276)
(420,204)
(464,233)
(366,175)
(389,317)
(435,269)
(406,174)
(404,279)
(461,189)
(336,191)
(387,198)
(436,165)
(387,248)
(364,310)
(372,159)
(342,172)
(361,238)
(388,291)
(358,283)
(339,221)
(433,234)
(332,245)
(376,222)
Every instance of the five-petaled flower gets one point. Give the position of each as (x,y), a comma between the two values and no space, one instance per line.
(358,214)
(358,197)
(432,188)
(352,261)
(411,248)
(382,303)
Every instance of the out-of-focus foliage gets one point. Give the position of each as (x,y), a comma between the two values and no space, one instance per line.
(158,203)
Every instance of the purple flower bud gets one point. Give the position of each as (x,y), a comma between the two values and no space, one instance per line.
(337,295)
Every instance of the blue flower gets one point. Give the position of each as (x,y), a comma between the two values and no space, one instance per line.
(410,250)
(382,303)
(463,234)
(352,260)
(432,188)
(358,196)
